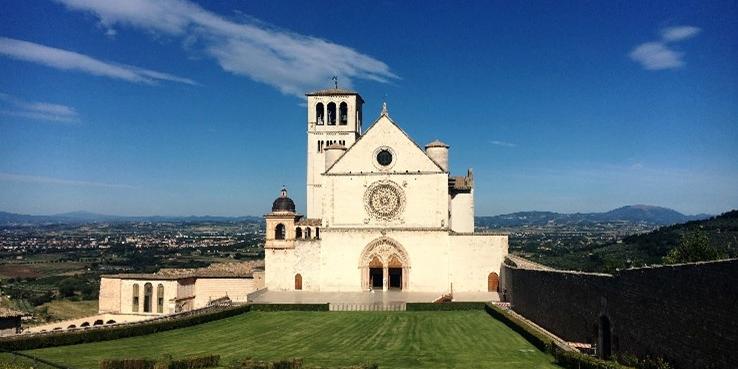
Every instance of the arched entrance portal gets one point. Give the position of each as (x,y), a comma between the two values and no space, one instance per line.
(383,265)
(493,282)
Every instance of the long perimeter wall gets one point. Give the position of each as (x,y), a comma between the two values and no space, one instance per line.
(687,314)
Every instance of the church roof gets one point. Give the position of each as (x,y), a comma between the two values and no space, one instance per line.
(283,203)
(437,143)
(331,91)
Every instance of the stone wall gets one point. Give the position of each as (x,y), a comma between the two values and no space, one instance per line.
(684,313)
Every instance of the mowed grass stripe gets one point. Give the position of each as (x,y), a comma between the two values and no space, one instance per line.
(455,339)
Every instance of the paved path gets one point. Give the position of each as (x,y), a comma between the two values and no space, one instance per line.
(361,298)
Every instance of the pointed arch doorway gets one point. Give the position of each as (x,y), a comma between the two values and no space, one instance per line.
(384,264)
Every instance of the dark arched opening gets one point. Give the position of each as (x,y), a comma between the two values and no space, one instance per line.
(319,114)
(111,321)
(148,292)
(279,232)
(160,298)
(298,232)
(604,338)
(317,233)
(308,233)
(376,273)
(72,326)
(298,282)
(331,114)
(343,114)
(85,324)
(98,322)
(134,300)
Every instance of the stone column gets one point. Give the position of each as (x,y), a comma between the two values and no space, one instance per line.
(385,278)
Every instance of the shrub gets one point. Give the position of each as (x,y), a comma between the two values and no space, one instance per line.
(19,343)
(289,307)
(448,306)
(535,337)
(195,362)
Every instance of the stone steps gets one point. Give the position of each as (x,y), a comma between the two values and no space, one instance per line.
(400,306)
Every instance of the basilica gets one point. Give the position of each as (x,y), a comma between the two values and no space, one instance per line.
(382,212)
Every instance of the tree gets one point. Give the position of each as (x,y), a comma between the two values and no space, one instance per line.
(694,246)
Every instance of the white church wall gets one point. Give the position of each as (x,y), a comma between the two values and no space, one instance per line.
(207,289)
(462,212)
(307,264)
(424,195)
(126,295)
(472,257)
(279,267)
(426,251)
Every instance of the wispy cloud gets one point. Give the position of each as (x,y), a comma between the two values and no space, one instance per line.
(503,143)
(13,106)
(291,62)
(679,33)
(70,60)
(658,55)
(11,177)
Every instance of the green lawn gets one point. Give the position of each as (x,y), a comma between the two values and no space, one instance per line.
(457,339)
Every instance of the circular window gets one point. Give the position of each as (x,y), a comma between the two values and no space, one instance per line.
(384,157)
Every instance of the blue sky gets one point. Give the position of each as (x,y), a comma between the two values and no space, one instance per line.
(178,108)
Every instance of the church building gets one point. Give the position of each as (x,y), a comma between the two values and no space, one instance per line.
(382,212)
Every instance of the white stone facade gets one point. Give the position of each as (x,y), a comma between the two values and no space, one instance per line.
(383,213)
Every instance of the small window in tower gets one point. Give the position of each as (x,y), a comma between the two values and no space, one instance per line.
(319,114)
(343,114)
(331,114)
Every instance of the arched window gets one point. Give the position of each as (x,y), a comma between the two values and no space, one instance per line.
(307,232)
(298,232)
(317,232)
(279,232)
(72,326)
(110,322)
(343,114)
(160,298)
(134,300)
(98,322)
(319,114)
(332,114)
(85,324)
(298,282)
(148,291)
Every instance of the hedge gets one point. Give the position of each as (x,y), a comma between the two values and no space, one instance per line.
(448,306)
(249,363)
(535,337)
(18,343)
(566,359)
(195,362)
(289,307)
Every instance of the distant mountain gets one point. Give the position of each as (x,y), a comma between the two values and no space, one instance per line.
(653,215)
(82,217)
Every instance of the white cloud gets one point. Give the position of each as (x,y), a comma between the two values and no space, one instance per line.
(679,33)
(503,143)
(291,62)
(37,110)
(11,177)
(658,55)
(69,60)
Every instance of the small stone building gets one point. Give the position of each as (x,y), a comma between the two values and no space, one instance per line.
(172,291)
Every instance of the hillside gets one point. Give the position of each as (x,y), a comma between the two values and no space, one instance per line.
(83,217)
(649,248)
(654,215)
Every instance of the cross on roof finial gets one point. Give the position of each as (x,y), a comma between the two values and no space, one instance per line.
(283,193)
(335,81)
(384,108)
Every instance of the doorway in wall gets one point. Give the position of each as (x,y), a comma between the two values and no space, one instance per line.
(376,278)
(395,277)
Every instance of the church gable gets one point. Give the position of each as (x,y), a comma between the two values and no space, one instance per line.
(384,148)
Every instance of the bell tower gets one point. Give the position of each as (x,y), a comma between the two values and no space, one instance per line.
(333,117)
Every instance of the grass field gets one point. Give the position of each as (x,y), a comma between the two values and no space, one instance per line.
(66,309)
(458,339)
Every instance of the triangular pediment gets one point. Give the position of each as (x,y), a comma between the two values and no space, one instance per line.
(407,156)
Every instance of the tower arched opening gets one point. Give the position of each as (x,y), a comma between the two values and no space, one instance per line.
(332,114)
